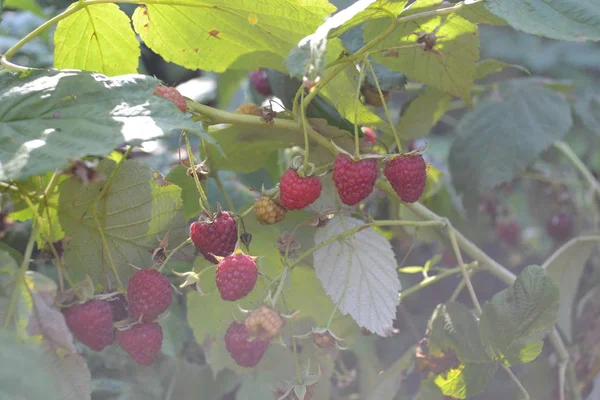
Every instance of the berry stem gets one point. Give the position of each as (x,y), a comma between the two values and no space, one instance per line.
(203,199)
(299,379)
(214,173)
(172,253)
(305,132)
(361,78)
(282,278)
(385,107)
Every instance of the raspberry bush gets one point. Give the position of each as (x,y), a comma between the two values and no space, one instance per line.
(326,199)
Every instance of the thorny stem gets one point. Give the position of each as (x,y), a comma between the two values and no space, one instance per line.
(385,107)
(204,204)
(172,252)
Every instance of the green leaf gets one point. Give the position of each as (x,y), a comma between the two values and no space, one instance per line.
(309,55)
(422,112)
(566,267)
(245,146)
(467,380)
(214,35)
(134,213)
(529,307)
(47,118)
(376,9)
(27,5)
(98,38)
(227,84)
(491,148)
(576,20)
(13,284)
(491,66)
(174,330)
(478,14)
(453,326)
(524,350)
(587,109)
(452,70)
(26,371)
(49,229)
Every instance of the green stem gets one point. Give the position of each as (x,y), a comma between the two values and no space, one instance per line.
(361,77)
(465,273)
(429,281)
(417,224)
(305,133)
(327,242)
(577,163)
(204,204)
(516,381)
(214,173)
(175,250)
(385,107)
(21,275)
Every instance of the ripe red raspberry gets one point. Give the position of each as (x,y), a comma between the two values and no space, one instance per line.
(142,342)
(215,237)
(149,294)
(118,306)
(408,175)
(509,232)
(264,323)
(260,83)
(91,323)
(267,211)
(296,192)
(236,276)
(354,180)
(560,226)
(170,93)
(246,353)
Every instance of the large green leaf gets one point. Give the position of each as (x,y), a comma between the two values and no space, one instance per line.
(566,267)
(422,112)
(12,285)
(28,5)
(500,138)
(467,380)
(216,33)
(521,312)
(134,213)
(451,68)
(478,14)
(26,371)
(576,20)
(453,326)
(98,38)
(587,109)
(47,118)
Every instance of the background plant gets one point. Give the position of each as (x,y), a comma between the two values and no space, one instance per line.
(518,139)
